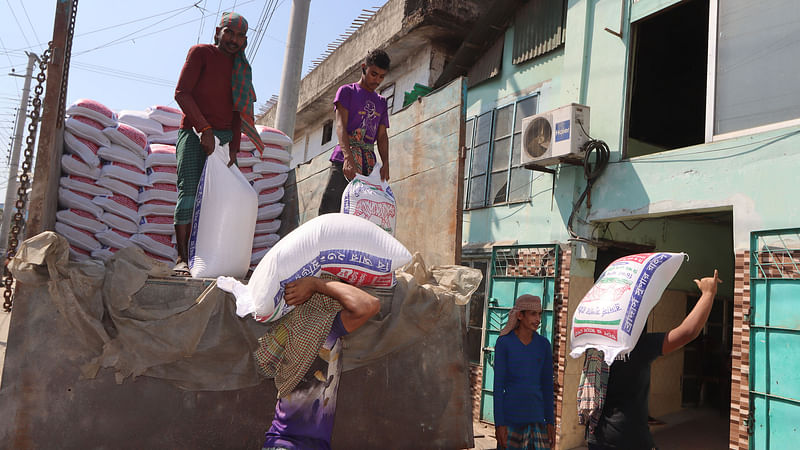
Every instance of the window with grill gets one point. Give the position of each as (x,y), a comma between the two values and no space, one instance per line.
(493,171)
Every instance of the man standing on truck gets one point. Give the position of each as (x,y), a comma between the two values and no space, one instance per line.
(302,351)
(362,118)
(215,92)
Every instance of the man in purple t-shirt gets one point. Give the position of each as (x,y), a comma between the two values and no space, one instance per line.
(362,118)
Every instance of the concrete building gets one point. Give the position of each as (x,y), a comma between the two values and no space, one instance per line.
(701,118)
(699,111)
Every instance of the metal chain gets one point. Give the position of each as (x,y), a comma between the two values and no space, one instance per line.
(24,178)
(62,96)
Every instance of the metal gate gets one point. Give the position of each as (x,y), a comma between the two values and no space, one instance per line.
(774,339)
(515,270)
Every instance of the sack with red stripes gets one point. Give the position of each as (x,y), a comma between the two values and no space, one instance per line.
(93,110)
(128,137)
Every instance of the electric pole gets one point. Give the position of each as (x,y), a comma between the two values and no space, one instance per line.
(11,186)
(292,68)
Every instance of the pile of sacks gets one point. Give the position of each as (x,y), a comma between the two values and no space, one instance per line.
(267,171)
(119,186)
(106,183)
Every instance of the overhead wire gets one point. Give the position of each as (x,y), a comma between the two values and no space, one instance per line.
(172,27)
(35,35)
(24,36)
(202,19)
(263,30)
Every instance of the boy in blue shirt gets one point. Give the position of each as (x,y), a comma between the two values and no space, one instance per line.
(523,380)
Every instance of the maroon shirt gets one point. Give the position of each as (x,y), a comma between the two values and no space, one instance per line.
(204,92)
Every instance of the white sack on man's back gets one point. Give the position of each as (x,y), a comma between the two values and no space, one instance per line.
(348,247)
(224,219)
(611,316)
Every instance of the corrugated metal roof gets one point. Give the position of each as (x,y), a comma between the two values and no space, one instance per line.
(538,29)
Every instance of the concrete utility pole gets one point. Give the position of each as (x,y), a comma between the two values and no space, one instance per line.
(292,68)
(11,187)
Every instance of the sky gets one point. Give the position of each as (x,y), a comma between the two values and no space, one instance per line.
(128,55)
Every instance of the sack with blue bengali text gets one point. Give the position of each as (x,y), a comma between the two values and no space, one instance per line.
(611,316)
(348,247)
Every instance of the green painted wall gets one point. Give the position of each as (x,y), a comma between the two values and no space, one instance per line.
(751,176)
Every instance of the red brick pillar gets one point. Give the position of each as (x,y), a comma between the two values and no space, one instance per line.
(740,353)
(561,328)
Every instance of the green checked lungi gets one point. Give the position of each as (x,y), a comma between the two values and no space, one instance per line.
(191,160)
(527,437)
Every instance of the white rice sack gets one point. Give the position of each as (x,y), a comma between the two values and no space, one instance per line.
(119,205)
(104,253)
(246,144)
(76,237)
(116,186)
(157,225)
(268,212)
(87,128)
(265,240)
(165,115)
(348,247)
(277,153)
(93,110)
(249,174)
(269,181)
(85,149)
(611,316)
(83,184)
(246,159)
(371,198)
(258,255)
(273,136)
(124,172)
(157,244)
(271,195)
(79,254)
(157,208)
(78,218)
(73,165)
(140,121)
(168,138)
(223,221)
(118,153)
(268,226)
(166,192)
(162,174)
(270,166)
(69,199)
(119,223)
(161,155)
(128,137)
(115,238)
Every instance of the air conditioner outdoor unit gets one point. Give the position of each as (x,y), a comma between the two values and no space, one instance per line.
(554,136)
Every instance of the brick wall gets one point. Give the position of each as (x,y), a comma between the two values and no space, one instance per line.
(561,329)
(475,385)
(740,354)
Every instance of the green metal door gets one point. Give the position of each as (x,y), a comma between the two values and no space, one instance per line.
(774,339)
(515,270)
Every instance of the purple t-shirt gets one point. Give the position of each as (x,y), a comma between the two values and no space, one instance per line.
(365,112)
(304,419)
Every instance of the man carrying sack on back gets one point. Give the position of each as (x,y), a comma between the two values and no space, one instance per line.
(362,118)
(215,92)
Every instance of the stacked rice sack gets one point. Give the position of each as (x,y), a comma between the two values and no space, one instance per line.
(80,219)
(268,172)
(158,193)
(106,182)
